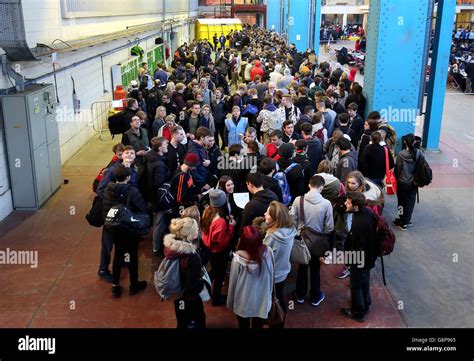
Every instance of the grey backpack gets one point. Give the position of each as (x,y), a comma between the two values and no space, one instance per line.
(167,279)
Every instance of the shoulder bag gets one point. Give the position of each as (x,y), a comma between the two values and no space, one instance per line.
(276,315)
(317,243)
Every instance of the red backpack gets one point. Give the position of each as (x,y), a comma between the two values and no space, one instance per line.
(384,240)
(320,135)
(384,236)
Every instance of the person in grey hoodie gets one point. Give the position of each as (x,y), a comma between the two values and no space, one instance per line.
(280,235)
(348,159)
(319,216)
(405,168)
(251,280)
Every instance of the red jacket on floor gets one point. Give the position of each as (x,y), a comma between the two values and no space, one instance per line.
(220,234)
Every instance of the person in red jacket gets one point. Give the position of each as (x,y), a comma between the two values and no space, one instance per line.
(256,70)
(217,232)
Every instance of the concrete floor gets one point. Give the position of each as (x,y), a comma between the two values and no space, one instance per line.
(431,270)
(64,291)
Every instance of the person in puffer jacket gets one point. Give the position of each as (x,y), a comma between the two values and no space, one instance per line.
(280,235)
(189,308)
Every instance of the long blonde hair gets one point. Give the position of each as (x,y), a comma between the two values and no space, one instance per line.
(280,215)
(359,177)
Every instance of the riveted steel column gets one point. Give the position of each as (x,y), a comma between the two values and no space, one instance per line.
(395,43)
(274,15)
(439,73)
(299,23)
(317,25)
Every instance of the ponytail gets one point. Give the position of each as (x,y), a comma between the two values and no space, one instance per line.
(409,141)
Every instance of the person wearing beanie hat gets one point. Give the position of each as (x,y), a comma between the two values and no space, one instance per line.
(191,160)
(189,308)
(217,198)
(217,233)
(293,171)
(184,191)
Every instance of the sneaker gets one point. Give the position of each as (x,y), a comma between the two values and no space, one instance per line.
(348,313)
(116,291)
(105,275)
(316,303)
(344,273)
(402,227)
(140,286)
(299,300)
(409,224)
(398,223)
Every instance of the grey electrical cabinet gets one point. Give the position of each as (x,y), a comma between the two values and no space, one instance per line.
(32,139)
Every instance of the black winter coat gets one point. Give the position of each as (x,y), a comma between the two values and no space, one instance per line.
(315,154)
(361,237)
(273,185)
(372,161)
(257,206)
(116,193)
(295,177)
(158,173)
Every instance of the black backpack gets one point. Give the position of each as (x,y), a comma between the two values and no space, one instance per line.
(423,173)
(120,218)
(165,197)
(94,217)
(116,124)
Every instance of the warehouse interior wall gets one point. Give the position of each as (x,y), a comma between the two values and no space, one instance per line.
(45,22)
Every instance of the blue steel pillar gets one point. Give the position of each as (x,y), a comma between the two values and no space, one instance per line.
(299,22)
(274,15)
(395,46)
(438,73)
(317,25)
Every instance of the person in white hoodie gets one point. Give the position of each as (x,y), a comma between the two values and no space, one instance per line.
(319,216)
(280,235)
(251,280)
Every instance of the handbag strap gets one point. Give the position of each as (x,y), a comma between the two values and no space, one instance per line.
(273,263)
(387,167)
(302,217)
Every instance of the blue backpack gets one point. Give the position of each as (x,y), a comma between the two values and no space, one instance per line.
(250,109)
(285,189)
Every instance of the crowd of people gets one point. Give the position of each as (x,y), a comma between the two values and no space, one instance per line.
(266,120)
(461,62)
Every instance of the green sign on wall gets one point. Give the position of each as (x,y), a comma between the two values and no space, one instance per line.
(129,69)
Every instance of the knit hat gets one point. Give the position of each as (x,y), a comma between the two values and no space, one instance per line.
(217,197)
(286,150)
(191,160)
(184,228)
